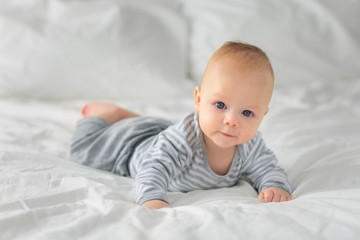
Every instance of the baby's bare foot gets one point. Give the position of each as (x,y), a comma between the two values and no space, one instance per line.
(108,111)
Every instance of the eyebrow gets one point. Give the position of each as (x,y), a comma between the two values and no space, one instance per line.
(252,107)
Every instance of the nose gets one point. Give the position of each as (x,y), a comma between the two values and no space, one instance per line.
(231,119)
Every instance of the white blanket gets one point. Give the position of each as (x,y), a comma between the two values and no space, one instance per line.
(313,126)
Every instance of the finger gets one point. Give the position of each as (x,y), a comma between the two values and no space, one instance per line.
(288,198)
(268,196)
(284,198)
(276,198)
(261,196)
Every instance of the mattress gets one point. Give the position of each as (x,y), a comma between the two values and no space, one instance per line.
(313,124)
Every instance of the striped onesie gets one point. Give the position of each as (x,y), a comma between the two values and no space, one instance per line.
(163,157)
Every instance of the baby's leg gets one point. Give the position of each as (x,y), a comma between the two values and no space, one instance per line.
(107,111)
(95,142)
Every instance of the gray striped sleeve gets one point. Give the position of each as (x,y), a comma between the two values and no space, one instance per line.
(165,160)
(261,166)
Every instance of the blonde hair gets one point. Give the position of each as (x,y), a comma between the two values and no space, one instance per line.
(248,54)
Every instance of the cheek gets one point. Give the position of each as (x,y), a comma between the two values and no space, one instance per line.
(208,122)
(204,124)
(249,130)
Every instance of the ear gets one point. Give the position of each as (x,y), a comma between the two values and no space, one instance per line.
(197,98)
(267,111)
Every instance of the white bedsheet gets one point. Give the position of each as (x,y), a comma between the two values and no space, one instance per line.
(314,129)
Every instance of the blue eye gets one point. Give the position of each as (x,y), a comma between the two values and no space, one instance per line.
(220,105)
(247,113)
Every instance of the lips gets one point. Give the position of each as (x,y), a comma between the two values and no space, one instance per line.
(227,135)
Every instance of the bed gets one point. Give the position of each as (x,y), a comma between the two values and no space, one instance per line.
(57,55)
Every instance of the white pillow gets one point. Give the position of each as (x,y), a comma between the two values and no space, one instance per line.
(91,49)
(305,40)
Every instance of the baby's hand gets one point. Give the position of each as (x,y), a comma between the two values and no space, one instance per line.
(273,194)
(155,204)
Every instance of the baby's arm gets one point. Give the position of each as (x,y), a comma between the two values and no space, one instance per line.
(273,194)
(158,166)
(262,168)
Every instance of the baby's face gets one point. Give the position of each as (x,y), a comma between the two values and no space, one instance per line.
(232,103)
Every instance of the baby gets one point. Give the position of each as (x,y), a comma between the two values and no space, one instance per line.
(212,147)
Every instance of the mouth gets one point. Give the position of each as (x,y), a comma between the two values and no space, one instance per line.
(227,135)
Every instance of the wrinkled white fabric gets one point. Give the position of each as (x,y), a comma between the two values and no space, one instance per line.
(314,130)
(91,49)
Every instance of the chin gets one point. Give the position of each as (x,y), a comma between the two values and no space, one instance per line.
(223,144)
